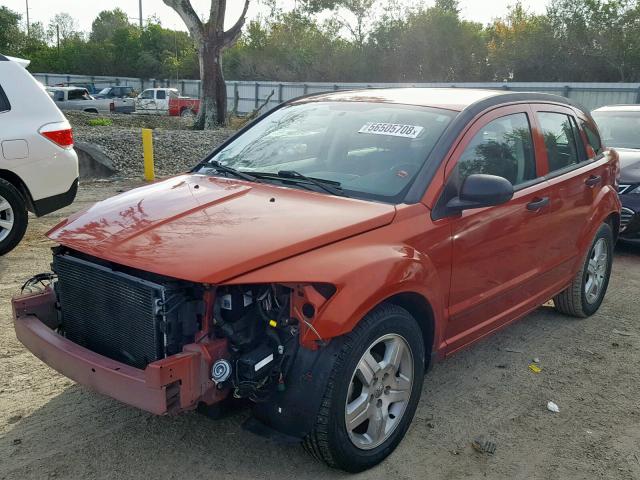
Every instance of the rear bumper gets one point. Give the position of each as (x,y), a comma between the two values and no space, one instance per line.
(170,385)
(51,204)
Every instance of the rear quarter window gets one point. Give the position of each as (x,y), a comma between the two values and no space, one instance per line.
(592,137)
(5,106)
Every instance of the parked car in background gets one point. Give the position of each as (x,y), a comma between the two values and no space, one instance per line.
(320,261)
(122,96)
(115,92)
(166,101)
(76,98)
(38,166)
(155,100)
(620,128)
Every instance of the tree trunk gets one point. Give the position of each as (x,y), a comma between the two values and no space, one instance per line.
(213,92)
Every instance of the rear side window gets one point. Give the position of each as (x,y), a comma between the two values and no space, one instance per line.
(5,106)
(592,137)
(147,95)
(560,134)
(161,94)
(503,147)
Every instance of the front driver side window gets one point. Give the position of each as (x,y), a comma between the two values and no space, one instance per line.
(502,147)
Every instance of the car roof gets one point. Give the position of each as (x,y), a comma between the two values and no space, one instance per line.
(618,108)
(457,99)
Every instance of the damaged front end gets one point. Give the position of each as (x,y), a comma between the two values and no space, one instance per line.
(166,345)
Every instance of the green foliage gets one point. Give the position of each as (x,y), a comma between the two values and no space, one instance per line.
(100,122)
(363,40)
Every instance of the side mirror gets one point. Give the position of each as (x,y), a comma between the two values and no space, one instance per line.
(481,190)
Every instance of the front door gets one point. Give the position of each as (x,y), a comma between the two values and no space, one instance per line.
(146,103)
(497,251)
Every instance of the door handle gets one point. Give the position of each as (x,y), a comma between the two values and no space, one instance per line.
(593,180)
(538,203)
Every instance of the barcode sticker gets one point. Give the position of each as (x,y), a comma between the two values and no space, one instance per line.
(393,129)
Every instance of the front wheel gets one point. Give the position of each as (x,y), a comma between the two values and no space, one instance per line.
(372,393)
(586,292)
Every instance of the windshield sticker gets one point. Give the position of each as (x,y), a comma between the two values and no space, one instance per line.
(393,129)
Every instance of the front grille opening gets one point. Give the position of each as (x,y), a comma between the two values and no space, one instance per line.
(121,316)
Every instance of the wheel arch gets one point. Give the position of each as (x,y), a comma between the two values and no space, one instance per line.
(420,309)
(614,222)
(22,188)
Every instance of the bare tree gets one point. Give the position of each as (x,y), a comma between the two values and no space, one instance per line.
(210,39)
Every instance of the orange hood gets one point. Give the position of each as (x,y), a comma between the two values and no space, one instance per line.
(210,229)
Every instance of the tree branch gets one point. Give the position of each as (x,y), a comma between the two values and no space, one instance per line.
(221,11)
(234,32)
(188,16)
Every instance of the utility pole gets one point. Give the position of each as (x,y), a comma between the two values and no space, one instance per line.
(58,37)
(28,31)
(140,12)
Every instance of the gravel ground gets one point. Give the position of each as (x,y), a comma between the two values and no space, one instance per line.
(176,147)
(52,428)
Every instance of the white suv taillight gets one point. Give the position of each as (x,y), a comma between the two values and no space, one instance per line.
(59,133)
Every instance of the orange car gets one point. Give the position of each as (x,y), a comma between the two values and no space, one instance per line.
(319,261)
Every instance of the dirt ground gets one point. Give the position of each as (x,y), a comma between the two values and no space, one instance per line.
(52,428)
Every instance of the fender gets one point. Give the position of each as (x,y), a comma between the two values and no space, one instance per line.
(607,202)
(411,254)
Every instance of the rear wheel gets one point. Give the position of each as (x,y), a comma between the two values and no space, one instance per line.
(13,217)
(586,292)
(187,113)
(372,393)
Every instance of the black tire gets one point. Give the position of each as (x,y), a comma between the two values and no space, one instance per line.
(329,441)
(20,217)
(574,301)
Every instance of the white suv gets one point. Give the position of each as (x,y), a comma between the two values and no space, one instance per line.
(38,166)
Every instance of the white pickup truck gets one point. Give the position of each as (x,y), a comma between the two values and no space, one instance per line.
(155,100)
(78,98)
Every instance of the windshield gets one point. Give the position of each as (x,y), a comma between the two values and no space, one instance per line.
(372,150)
(619,129)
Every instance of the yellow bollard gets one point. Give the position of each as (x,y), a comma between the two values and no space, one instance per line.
(147,149)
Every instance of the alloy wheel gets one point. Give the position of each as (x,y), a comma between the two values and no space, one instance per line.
(6,218)
(596,270)
(379,391)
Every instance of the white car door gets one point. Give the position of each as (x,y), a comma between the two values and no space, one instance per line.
(146,103)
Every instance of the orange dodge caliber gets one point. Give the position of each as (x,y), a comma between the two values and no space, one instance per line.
(319,261)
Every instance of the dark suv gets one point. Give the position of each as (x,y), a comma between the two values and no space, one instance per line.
(620,128)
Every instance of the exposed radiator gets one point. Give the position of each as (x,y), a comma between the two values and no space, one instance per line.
(120,316)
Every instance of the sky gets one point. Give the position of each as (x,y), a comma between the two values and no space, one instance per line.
(85,11)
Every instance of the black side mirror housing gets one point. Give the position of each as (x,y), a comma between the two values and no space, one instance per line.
(480,190)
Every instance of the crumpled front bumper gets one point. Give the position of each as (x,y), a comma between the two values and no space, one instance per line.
(170,385)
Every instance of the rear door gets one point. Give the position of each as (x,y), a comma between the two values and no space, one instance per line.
(162,102)
(575,177)
(498,252)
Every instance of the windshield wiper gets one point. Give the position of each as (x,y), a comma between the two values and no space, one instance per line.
(326,185)
(237,173)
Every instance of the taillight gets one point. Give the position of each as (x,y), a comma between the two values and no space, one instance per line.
(62,138)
